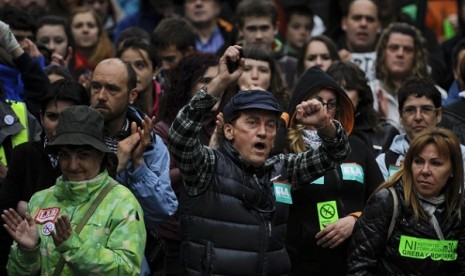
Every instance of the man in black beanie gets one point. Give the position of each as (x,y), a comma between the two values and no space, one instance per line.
(234,208)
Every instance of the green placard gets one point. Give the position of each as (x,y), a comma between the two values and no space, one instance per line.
(282,192)
(417,248)
(327,213)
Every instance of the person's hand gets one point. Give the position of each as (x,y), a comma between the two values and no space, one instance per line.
(125,148)
(313,114)
(21,208)
(145,138)
(85,78)
(59,60)
(30,47)
(7,38)
(23,231)
(383,103)
(135,144)
(63,230)
(214,139)
(335,233)
(223,79)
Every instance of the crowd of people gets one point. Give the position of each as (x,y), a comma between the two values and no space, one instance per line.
(248,137)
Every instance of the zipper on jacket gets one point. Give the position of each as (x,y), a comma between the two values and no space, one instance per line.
(268,227)
(264,245)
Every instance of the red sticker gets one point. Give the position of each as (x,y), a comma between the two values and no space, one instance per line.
(45,215)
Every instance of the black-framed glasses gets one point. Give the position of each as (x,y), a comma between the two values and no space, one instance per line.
(426,110)
(330,105)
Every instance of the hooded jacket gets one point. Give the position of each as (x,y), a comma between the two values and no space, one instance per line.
(314,78)
(111,242)
(345,188)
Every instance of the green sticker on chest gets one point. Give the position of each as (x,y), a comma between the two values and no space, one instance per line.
(352,171)
(327,213)
(417,248)
(282,192)
(392,170)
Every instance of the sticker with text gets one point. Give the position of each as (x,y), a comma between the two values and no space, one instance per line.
(282,192)
(437,250)
(46,215)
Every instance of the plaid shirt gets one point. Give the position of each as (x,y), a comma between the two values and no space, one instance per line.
(196,161)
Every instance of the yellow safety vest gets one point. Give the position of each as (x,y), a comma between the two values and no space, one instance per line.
(21,137)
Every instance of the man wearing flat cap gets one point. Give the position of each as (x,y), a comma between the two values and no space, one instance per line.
(234,208)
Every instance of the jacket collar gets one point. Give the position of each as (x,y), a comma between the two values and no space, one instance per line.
(79,191)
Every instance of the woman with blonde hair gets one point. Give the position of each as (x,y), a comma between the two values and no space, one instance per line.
(413,223)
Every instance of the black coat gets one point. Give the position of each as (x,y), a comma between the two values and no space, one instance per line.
(371,253)
(307,257)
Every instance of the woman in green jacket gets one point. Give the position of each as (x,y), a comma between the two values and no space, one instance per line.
(48,240)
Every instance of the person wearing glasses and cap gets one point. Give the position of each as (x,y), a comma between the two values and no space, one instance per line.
(234,208)
(419,108)
(109,242)
(323,213)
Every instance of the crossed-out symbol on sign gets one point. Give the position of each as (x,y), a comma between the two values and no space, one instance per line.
(48,228)
(327,211)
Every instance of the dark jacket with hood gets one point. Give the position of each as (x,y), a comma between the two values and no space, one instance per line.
(348,186)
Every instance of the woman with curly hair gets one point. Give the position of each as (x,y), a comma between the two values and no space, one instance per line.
(400,54)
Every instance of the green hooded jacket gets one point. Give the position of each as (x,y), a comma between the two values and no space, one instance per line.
(111,243)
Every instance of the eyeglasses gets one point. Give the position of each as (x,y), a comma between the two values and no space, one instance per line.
(426,110)
(330,105)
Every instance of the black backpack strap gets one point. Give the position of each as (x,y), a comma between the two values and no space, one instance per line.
(395,211)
